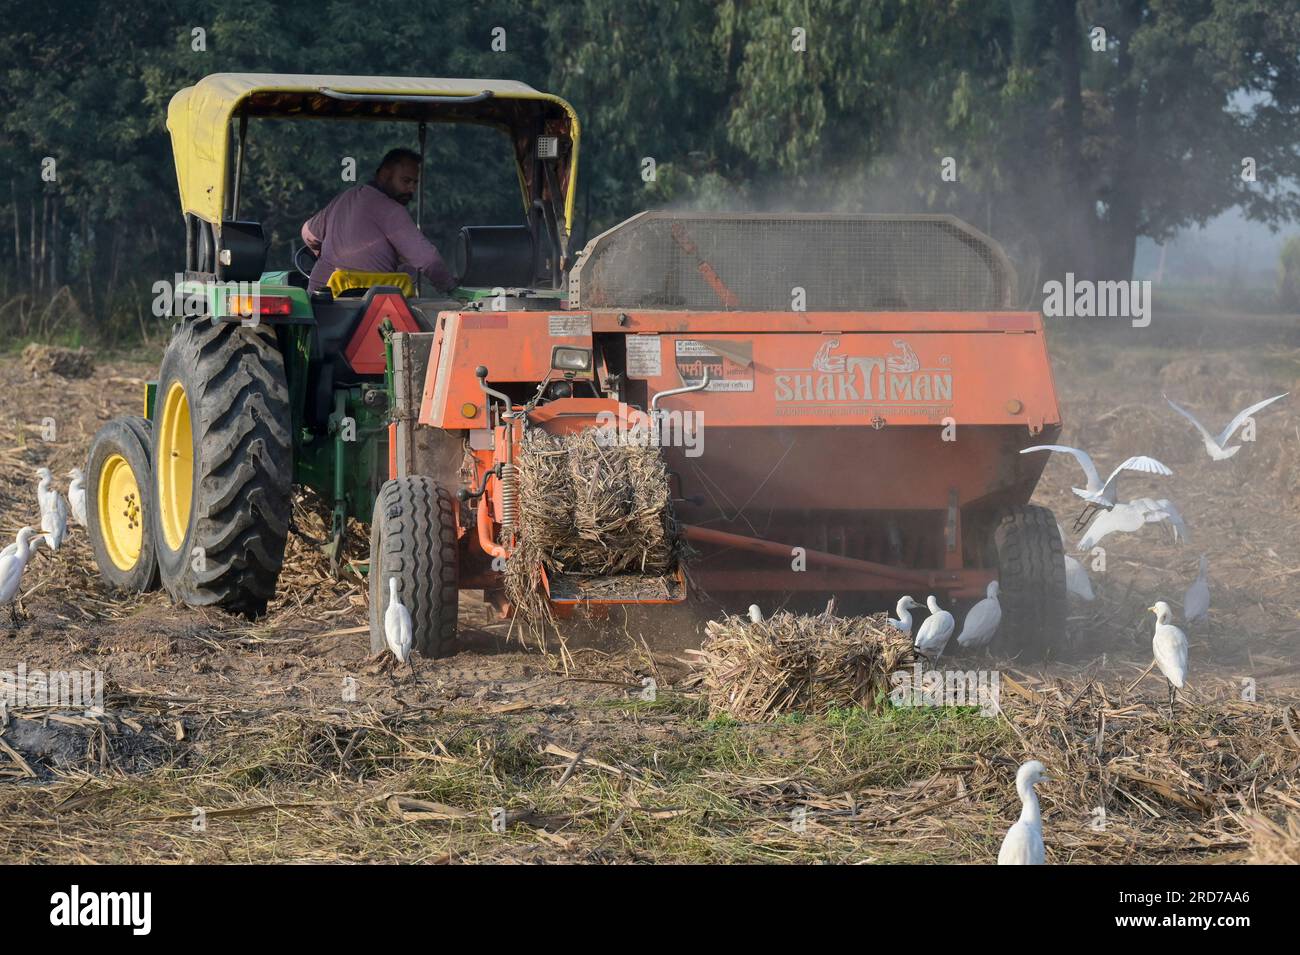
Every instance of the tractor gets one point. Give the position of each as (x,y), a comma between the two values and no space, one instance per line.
(863,385)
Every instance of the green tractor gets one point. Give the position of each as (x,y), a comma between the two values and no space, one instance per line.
(264,387)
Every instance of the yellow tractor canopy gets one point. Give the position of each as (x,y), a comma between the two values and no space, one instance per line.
(199,120)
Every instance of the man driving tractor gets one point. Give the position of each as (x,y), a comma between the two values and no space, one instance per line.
(367,228)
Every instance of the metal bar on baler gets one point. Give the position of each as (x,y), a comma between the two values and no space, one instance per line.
(707,535)
(419,204)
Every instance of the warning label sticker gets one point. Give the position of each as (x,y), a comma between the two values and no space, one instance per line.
(569,326)
(730,363)
(644,356)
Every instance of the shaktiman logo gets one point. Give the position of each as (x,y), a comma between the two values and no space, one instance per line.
(896,382)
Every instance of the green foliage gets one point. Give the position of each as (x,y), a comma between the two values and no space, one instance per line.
(1065,153)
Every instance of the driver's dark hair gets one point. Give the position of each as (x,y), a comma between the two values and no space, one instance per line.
(396,156)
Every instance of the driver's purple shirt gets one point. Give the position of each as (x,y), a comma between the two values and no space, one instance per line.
(362,230)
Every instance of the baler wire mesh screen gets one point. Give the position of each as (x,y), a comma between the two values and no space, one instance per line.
(669,260)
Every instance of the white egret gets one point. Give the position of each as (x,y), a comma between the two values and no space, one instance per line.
(1023,843)
(1076,576)
(25,543)
(1103,494)
(44,489)
(1170,648)
(12,566)
(1218,446)
(1196,602)
(397,624)
(1131,517)
(54,520)
(982,620)
(77,496)
(755,615)
(904,611)
(935,631)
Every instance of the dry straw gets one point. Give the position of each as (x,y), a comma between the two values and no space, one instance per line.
(799,664)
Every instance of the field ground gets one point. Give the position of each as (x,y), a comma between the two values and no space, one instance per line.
(248,721)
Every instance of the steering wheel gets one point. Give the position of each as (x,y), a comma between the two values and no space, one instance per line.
(304,271)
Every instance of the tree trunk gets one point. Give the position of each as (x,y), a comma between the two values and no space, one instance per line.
(1118,233)
(1072,245)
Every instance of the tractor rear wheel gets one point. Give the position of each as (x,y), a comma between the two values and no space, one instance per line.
(119,505)
(223,465)
(1031,580)
(413,539)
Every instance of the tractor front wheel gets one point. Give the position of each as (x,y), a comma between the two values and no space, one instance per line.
(222,465)
(119,505)
(413,539)
(1031,581)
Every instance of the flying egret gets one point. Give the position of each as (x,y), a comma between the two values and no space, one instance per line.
(904,611)
(755,615)
(935,631)
(1196,602)
(1023,843)
(397,624)
(1170,648)
(77,496)
(54,520)
(12,566)
(1218,446)
(1076,577)
(982,620)
(1131,517)
(1098,493)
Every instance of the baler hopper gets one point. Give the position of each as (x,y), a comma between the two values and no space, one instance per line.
(839,401)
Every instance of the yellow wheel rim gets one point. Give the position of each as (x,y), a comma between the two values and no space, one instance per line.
(175,466)
(121,520)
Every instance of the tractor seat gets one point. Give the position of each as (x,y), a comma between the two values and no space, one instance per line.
(345,282)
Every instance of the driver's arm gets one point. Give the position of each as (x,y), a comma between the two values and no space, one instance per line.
(313,230)
(415,250)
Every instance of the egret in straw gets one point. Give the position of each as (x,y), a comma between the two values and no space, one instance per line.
(397,624)
(1076,577)
(755,615)
(1170,648)
(77,496)
(12,566)
(1098,493)
(1196,602)
(54,520)
(1023,843)
(1133,516)
(904,611)
(981,621)
(935,631)
(1217,446)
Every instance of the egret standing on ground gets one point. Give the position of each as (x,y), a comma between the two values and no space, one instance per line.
(25,543)
(904,611)
(934,633)
(1218,446)
(54,519)
(1170,648)
(1023,844)
(45,489)
(981,621)
(397,624)
(12,566)
(77,496)
(1196,602)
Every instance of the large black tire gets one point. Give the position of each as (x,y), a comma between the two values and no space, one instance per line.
(413,539)
(1031,579)
(226,546)
(119,505)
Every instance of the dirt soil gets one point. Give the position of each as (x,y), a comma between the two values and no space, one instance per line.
(282,739)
